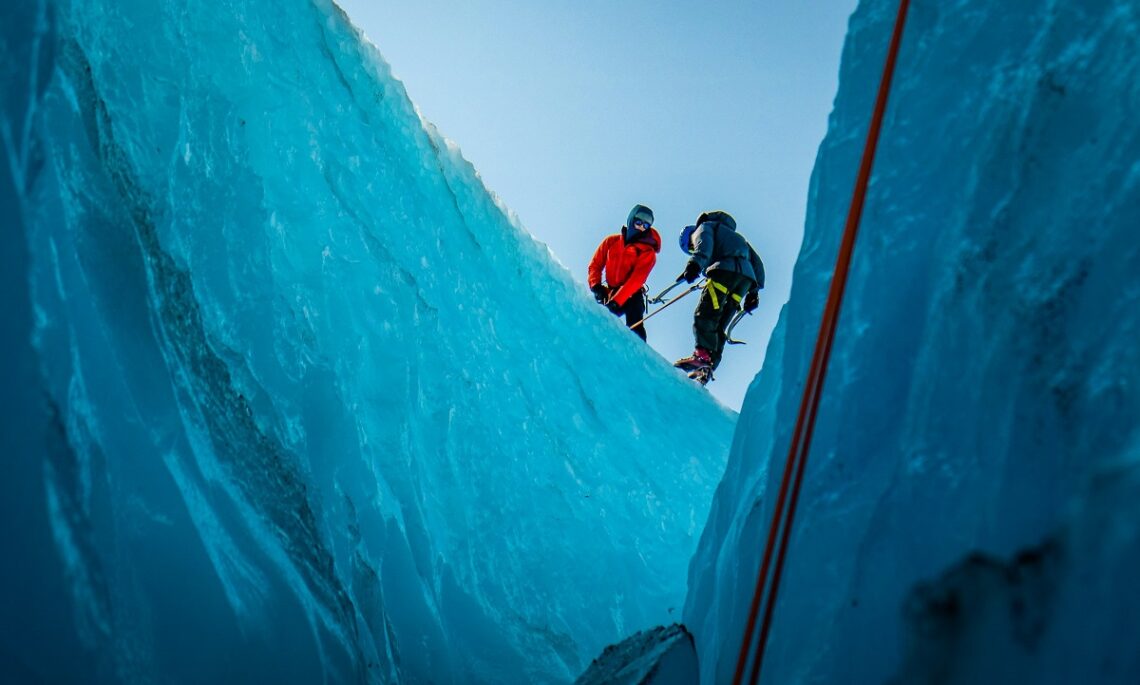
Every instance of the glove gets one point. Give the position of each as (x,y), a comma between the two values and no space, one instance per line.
(692,270)
(601,292)
(751,302)
(614,307)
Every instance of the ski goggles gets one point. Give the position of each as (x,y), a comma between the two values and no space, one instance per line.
(638,223)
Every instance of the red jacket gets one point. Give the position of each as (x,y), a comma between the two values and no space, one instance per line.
(627,265)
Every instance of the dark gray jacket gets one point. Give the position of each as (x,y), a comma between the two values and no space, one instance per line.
(717,245)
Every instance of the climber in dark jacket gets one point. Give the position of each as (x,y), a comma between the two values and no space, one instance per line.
(627,258)
(734,276)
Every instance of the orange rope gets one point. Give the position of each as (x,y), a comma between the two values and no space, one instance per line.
(809,406)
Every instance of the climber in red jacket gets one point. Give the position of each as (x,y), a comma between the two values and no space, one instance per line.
(627,258)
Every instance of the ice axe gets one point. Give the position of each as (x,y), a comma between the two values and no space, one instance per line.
(735,320)
(660,297)
(691,288)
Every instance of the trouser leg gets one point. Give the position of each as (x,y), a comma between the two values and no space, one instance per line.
(720,300)
(726,314)
(706,318)
(634,311)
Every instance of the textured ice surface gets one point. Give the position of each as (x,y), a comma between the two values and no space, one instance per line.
(986,371)
(297,400)
(1060,612)
(662,656)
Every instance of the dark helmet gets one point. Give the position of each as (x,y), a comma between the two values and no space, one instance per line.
(686,239)
(639,212)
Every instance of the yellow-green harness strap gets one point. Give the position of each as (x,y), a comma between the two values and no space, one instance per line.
(712,286)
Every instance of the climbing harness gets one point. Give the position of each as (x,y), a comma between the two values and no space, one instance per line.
(805,422)
(713,286)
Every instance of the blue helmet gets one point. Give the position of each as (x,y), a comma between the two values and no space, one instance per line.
(686,239)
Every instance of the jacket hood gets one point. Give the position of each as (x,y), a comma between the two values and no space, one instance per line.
(717,217)
(639,212)
(649,236)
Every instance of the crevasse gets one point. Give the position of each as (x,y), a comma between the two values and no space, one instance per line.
(967,510)
(293,398)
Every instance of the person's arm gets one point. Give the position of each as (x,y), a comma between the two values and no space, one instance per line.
(757,266)
(636,280)
(703,245)
(597,263)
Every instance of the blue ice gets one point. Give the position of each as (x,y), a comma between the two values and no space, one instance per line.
(322,410)
(968,513)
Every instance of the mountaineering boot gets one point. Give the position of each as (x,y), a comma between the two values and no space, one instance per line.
(702,375)
(700,359)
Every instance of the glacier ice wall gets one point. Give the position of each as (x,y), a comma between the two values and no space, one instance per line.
(986,372)
(292,398)
(1063,611)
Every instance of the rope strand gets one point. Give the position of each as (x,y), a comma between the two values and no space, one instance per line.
(781,527)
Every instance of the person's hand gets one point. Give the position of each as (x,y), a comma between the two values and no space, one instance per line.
(601,292)
(751,302)
(614,307)
(692,270)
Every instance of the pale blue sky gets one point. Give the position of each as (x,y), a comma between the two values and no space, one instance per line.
(573,111)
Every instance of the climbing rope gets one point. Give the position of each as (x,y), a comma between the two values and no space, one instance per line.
(695,286)
(805,422)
